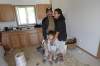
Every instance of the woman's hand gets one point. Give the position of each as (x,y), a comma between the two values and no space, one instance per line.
(55,39)
(56,36)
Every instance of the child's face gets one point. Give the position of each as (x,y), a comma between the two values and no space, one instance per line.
(50,37)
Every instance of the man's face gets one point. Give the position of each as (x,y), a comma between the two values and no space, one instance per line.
(49,13)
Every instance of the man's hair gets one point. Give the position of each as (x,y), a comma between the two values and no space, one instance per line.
(51,33)
(48,9)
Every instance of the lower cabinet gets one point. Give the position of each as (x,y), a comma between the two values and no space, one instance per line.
(19,39)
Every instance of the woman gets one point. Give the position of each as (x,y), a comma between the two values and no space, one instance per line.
(48,23)
(60,28)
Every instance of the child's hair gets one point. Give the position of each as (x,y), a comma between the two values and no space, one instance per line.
(51,33)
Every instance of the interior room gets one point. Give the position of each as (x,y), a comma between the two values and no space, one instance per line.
(21,32)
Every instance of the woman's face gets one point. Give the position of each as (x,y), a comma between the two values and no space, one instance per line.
(56,15)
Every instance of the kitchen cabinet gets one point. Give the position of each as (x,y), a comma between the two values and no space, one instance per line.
(39,34)
(20,39)
(41,10)
(7,13)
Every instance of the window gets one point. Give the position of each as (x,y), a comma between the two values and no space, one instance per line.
(26,15)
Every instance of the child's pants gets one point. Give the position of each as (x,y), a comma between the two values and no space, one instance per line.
(49,49)
(61,47)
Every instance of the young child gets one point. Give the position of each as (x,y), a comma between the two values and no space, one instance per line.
(50,48)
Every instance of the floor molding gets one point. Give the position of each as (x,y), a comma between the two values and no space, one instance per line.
(88,52)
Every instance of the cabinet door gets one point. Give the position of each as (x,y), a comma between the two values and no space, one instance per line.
(5,40)
(28,39)
(39,34)
(41,10)
(33,38)
(7,13)
(24,39)
(14,40)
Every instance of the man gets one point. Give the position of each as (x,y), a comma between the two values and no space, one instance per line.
(48,23)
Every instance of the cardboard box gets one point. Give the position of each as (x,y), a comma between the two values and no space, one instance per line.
(71,45)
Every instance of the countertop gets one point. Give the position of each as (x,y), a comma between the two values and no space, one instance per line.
(22,29)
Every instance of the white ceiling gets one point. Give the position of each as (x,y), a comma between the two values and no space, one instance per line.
(24,2)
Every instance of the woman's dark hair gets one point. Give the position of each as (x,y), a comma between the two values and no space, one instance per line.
(48,9)
(60,12)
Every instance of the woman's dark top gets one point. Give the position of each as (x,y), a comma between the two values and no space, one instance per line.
(60,27)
